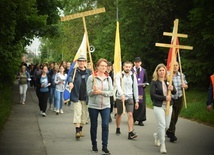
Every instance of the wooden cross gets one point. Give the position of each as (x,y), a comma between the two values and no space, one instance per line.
(83,14)
(174,46)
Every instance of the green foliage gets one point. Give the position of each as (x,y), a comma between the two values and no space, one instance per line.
(196,107)
(6,103)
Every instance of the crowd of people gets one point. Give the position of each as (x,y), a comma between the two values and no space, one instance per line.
(103,92)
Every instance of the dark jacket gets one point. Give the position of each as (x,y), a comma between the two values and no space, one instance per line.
(77,83)
(156,92)
(38,84)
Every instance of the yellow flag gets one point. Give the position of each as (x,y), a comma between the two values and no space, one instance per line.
(117,52)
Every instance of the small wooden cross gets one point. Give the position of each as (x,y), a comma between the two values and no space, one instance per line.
(83,14)
(174,46)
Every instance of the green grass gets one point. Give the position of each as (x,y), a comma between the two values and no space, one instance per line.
(5,103)
(196,107)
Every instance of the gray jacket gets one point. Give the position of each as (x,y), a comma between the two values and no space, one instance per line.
(99,101)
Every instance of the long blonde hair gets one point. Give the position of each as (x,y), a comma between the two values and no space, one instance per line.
(155,74)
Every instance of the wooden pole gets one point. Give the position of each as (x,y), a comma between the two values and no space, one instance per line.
(174,47)
(182,79)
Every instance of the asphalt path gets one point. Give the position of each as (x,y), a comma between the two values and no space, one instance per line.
(28,133)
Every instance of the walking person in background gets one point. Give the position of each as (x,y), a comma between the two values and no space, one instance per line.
(142,81)
(210,96)
(43,83)
(79,96)
(60,87)
(127,96)
(158,92)
(99,89)
(52,99)
(23,78)
(177,100)
(111,74)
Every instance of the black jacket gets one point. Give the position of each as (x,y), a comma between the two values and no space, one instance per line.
(156,93)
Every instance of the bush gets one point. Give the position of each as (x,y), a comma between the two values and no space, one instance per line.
(5,103)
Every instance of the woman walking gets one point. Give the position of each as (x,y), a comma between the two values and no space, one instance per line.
(43,83)
(99,90)
(60,86)
(158,92)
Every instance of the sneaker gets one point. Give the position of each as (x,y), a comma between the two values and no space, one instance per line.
(41,112)
(157,141)
(118,131)
(61,111)
(94,148)
(132,135)
(105,151)
(57,112)
(173,138)
(44,114)
(163,149)
(23,102)
(110,119)
(81,134)
(115,115)
(77,135)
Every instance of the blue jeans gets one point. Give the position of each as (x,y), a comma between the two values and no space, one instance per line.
(93,114)
(58,97)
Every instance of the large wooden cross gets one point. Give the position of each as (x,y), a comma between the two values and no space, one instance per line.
(83,14)
(174,47)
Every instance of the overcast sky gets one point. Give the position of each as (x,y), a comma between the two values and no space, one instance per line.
(34,47)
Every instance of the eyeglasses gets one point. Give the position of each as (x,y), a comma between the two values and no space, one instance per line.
(103,65)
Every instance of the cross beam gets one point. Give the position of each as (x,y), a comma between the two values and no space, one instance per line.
(83,14)
(174,47)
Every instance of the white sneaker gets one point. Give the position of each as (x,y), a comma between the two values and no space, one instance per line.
(163,149)
(61,111)
(23,102)
(157,141)
(57,112)
(41,112)
(44,114)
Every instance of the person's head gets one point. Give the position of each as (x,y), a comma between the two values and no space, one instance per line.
(102,65)
(137,62)
(56,68)
(61,69)
(160,72)
(23,68)
(82,61)
(176,67)
(44,69)
(68,65)
(127,66)
(109,67)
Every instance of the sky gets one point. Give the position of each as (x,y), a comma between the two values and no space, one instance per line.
(34,47)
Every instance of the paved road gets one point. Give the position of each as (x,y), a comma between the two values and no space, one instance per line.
(27,133)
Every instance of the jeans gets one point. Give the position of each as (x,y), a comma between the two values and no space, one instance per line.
(23,91)
(52,98)
(163,121)
(105,113)
(58,97)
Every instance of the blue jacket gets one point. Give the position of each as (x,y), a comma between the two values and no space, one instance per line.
(77,83)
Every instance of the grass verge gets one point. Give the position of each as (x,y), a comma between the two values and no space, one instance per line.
(196,107)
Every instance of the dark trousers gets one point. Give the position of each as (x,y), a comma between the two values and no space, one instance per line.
(93,113)
(176,109)
(43,100)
